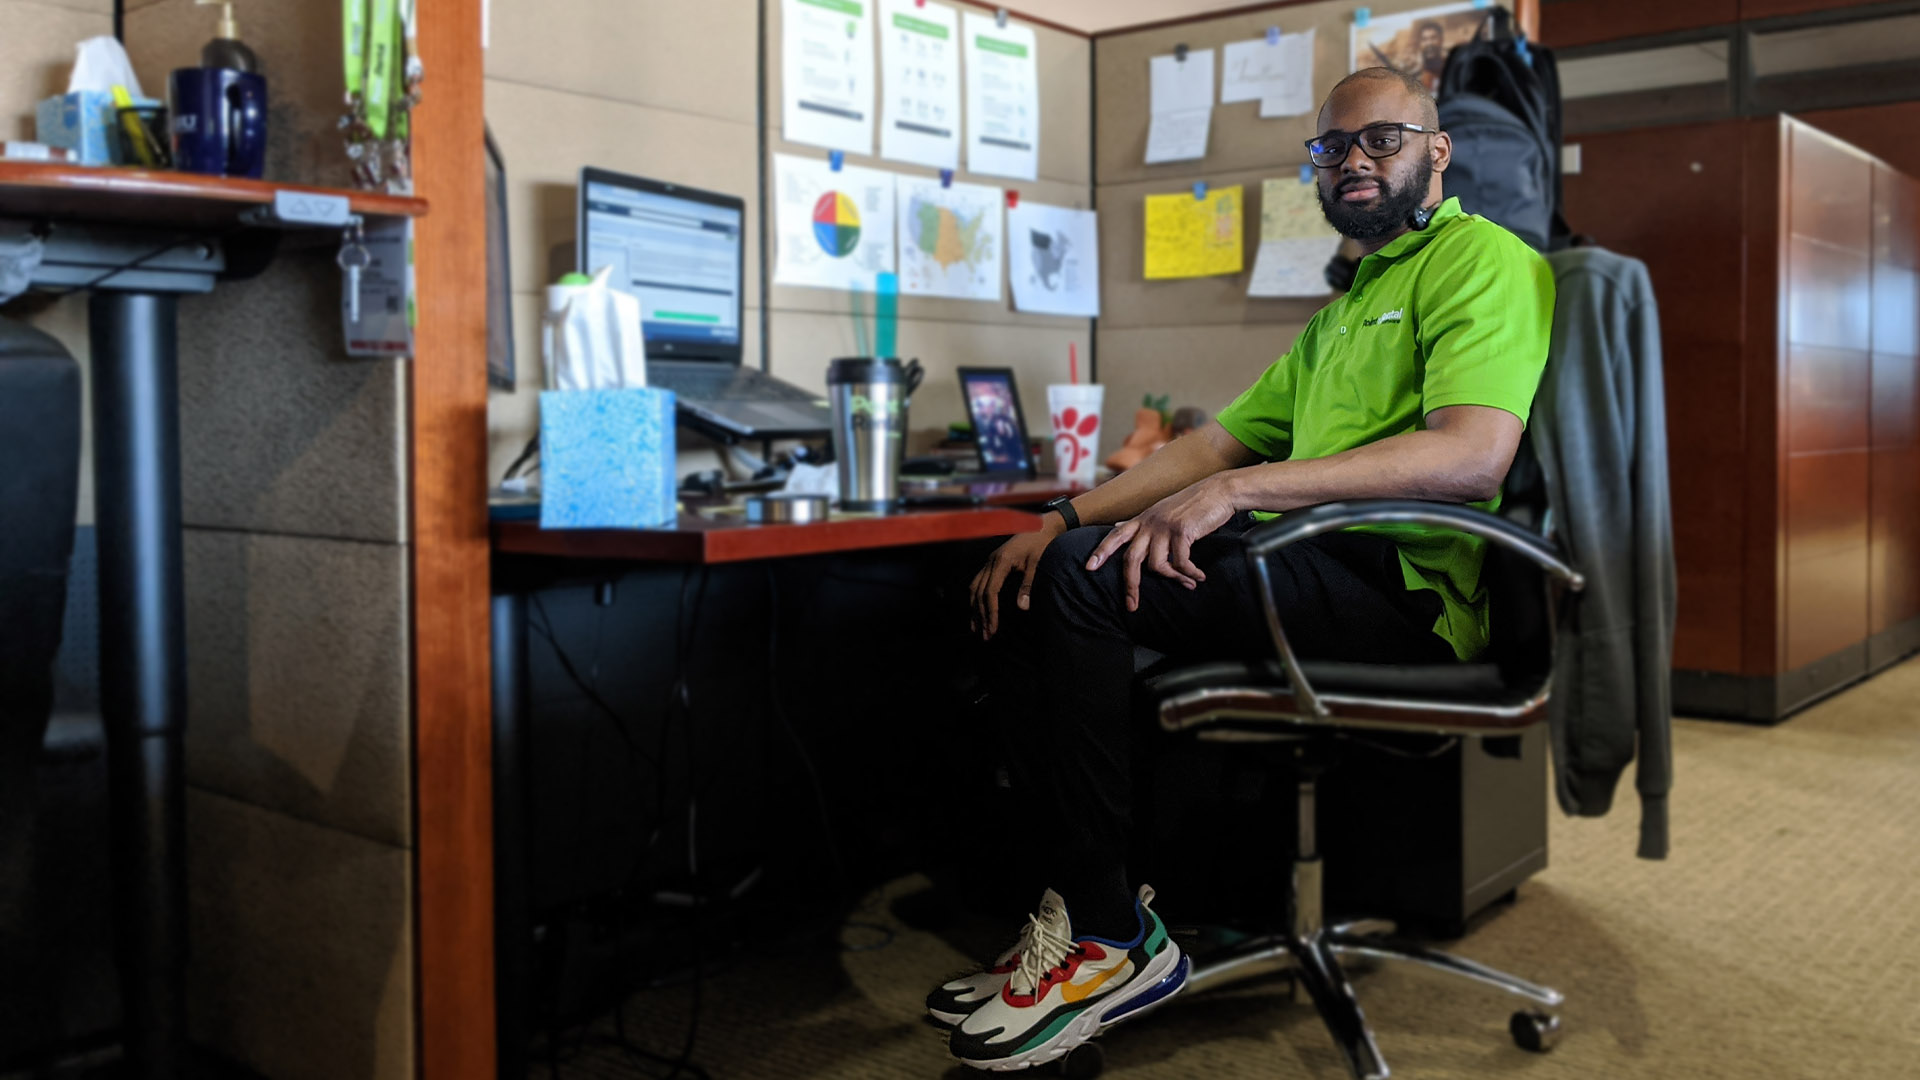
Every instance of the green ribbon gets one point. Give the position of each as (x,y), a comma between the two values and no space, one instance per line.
(353,43)
(383,64)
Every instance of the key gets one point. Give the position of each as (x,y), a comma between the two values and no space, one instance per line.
(354,258)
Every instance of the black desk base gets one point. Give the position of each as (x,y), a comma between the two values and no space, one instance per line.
(136,436)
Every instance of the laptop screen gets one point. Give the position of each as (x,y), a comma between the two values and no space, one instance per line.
(680,251)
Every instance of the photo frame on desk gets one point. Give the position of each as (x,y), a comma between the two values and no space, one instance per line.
(999,425)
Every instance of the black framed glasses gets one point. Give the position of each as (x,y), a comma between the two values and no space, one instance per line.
(1330,148)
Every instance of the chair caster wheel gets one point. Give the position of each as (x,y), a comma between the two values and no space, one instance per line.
(1536,1032)
(1083,1062)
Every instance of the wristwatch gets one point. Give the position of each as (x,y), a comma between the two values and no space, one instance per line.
(1064,507)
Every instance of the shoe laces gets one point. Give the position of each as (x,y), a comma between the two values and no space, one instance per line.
(1042,948)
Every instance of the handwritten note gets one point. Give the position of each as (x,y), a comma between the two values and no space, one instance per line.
(1295,241)
(1194,237)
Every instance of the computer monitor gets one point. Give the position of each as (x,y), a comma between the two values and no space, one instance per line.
(500,368)
(680,250)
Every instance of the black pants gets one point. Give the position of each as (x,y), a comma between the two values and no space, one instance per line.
(1063,673)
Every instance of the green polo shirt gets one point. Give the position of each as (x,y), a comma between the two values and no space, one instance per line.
(1455,314)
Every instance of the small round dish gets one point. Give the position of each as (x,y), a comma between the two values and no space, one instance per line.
(786,509)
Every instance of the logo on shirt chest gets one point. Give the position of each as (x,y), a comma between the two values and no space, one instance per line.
(1385,317)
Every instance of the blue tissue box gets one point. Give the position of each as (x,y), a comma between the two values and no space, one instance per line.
(82,121)
(606,459)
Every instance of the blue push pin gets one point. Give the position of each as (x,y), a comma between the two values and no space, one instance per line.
(1306,174)
(1199,189)
(835,159)
(1273,35)
(946,178)
(1362,16)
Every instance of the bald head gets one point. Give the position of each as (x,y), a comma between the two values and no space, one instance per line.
(1383,86)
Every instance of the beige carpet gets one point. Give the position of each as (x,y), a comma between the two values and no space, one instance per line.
(1781,940)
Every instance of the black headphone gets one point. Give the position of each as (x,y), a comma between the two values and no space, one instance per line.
(1420,217)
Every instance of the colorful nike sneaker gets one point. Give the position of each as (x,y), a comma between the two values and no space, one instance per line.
(1062,991)
(952,1000)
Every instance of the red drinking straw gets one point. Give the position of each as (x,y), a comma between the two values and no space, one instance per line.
(1073,362)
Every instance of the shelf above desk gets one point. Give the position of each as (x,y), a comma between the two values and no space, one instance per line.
(160,198)
(699,539)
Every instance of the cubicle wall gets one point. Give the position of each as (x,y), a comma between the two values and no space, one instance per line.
(1201,340)
(657,89)
(809,327)
(299,740)
(566,92)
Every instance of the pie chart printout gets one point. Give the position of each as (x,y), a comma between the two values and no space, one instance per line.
(836,224)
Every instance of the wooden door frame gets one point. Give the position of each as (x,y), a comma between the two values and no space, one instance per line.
(447,425)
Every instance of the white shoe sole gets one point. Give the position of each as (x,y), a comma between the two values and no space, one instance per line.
(1094,1020)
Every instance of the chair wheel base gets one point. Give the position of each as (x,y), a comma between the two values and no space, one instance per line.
(1536,1032)
(1083,1062)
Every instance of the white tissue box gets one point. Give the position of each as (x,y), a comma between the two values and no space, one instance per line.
(83,122)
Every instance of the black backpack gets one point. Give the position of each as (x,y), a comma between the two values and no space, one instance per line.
(1500,101)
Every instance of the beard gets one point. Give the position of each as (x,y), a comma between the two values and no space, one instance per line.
(1390,212)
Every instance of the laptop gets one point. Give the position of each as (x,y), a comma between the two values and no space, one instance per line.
(682,252)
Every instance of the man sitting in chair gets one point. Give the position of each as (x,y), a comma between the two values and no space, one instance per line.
(1414,385)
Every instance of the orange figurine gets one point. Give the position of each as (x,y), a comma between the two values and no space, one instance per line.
(1151,431)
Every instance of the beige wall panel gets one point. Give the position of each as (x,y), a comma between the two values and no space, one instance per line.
(66,320)
(299,49)
(1128,299)
(1064,62)
(669,54)
(280,431)
(803,343)
(1204,366)
(298,669)
(514,418)
(1239,139)
(835,301)
(546,136)
(302,945)
(36,53)
(92,7)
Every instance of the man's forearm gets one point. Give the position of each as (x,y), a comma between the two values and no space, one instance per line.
(1174,467)
(1434,465)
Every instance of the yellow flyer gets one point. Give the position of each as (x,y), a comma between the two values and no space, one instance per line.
(1193,237)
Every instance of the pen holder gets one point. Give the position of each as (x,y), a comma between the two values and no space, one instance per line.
(150,124)
(607,459)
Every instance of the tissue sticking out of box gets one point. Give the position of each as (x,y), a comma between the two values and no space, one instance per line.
(591,335)
(100,63)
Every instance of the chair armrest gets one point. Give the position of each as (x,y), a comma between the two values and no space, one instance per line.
(1263,540)
(1266,538)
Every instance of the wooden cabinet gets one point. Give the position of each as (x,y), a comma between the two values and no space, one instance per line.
(1785,264)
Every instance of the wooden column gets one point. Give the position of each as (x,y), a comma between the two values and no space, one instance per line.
(453,838)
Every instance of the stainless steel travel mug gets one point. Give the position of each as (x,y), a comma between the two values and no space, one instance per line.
(869,397)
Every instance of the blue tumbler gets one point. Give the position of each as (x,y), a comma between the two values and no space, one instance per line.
(219,121)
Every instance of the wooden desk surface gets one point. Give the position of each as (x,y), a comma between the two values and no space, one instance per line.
(35,189)
(723,539)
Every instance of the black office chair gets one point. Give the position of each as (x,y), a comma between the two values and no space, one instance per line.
(39,486)
(1311,704)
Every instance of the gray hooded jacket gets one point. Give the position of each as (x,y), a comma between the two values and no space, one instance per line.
(1601,435)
